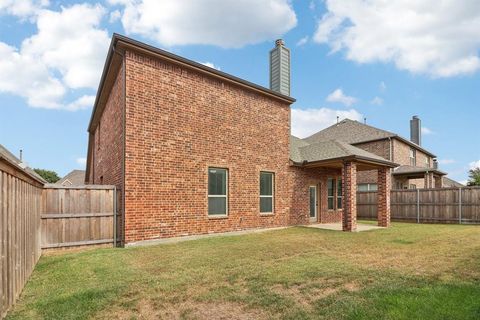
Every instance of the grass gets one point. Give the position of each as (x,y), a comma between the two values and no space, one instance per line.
(408,271)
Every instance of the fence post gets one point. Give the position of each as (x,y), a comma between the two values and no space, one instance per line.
(460,205)
(115,217)
(418,205)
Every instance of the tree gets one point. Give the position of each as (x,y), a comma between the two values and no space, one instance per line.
(49,175)
(474,177)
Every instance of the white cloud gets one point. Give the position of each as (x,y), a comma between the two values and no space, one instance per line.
(229,24)
(340,97)
(377,101)
(426,131)
(446,161)
(441,39)
(115,16)
(82,161)
(302,41)
(211,65)
(474,164)
(312,5)
(22,8)
(306,122)
(66,53)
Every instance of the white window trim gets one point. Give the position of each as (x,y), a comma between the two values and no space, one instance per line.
(333,195)
(218,195)
(336,193)
(267,196)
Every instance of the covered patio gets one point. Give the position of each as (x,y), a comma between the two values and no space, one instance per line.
(338,226)
(432,177)
(331,168)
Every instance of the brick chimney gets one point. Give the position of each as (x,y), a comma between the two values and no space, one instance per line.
(280,68)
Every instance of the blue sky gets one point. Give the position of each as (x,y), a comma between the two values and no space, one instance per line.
(385,61)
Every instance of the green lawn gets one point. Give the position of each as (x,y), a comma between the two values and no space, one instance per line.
(408,271)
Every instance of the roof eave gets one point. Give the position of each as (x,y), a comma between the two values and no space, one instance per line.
(361,159)
(116,38)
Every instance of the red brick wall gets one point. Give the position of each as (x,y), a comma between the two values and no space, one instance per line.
(108,137)
(178,123)
(401,154)
(380,148)
(302,179)
(107,150)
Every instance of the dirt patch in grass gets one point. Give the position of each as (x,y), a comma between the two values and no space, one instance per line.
(148,310)
(309,293)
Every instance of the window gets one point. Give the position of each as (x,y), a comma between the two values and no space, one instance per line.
(413,186)
(367,187)
(266,192)
(339,194)
(330,193)
(217,191)
(427,162)
(413,157)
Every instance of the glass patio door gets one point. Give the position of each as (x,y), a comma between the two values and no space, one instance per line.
(313,204)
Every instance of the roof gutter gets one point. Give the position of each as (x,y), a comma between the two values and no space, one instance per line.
(349,158)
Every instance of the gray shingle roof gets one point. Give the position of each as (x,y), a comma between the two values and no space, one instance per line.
(353,132)
(10,157)
(75,177)
(302,151)
(449,183)
(412,169)
(349,131)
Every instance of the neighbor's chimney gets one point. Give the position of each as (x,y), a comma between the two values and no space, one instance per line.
(280,68)
(415,130)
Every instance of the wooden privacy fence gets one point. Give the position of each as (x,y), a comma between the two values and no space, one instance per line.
(445,205)
(78,216)
(20,206)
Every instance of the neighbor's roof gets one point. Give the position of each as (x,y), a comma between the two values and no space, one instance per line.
(447,182)
(75,177)
(8,156)
(403,170)
(301,151)
(354,132)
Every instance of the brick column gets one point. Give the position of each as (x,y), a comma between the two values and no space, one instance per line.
(349,182)
(384,185)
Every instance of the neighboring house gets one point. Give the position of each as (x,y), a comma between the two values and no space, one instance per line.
(418,166)
(73,178)
(449,183)
(193,150)
(7,155)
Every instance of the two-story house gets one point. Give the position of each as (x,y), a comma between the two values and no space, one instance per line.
(418,167)
(194,150)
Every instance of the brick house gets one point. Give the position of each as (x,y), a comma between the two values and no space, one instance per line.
(417,168)
(193,150)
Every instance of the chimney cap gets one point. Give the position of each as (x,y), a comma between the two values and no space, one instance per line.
(279,42)
(414,117)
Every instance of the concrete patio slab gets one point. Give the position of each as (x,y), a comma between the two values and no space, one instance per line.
(338,226)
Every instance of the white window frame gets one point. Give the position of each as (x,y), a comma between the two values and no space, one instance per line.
(413,157)
(334,183)
(217,195)
(267,196)
(339,180)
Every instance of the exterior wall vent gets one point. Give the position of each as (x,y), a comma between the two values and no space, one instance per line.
(280,68)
